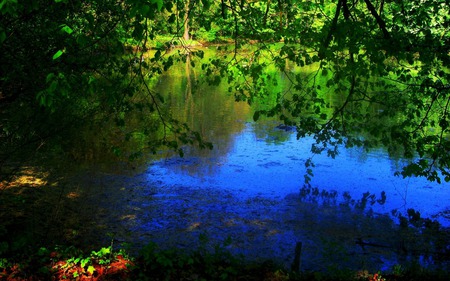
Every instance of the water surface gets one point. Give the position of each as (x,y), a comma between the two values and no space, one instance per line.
(250,188)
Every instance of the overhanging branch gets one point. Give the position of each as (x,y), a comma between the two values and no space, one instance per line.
(327,41)
(377,17)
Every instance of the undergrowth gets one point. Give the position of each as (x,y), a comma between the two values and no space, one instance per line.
(70,263)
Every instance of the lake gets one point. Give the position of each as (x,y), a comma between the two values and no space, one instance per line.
(250,188)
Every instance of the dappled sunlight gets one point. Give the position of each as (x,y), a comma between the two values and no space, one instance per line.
(29,177)
(73,195)
(29,180)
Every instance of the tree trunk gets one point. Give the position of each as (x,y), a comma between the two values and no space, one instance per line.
(186,21)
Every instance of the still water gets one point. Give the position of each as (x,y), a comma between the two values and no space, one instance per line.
(258,166)
(266,160)
(248,188)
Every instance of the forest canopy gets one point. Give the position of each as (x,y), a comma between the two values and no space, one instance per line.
(66,63)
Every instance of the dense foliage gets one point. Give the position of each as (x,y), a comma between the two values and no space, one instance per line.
(64,63)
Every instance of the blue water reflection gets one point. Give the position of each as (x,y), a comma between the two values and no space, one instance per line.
(260,165)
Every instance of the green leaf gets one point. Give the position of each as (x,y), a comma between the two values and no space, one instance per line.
(159,3)
(85,261)
(58,54)
(2,37)
(65,28)
(145,9)
(92,79)
(91,269)
(8,6)
(206,4)
(49,77)
(104,251)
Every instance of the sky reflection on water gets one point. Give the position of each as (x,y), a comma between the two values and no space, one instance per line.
(258,165)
